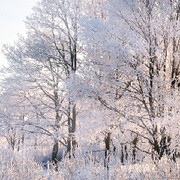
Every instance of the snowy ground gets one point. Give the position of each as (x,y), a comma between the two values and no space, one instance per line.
(18,165)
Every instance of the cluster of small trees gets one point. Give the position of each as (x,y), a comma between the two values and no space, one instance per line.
(95,71)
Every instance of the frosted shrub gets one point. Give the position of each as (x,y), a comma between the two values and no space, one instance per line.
(14,165)
(21,166)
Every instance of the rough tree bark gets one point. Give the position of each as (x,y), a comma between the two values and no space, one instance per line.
(55,155)
(107,150)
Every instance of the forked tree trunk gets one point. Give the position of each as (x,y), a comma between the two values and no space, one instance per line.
(124,154)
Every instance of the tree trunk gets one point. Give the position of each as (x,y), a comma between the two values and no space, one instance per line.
(55,155)
(74,143)
(135,141)
(107,150)
(71,131)
(122,154)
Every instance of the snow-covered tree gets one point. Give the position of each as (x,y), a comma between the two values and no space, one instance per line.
(133,51)
(48,56)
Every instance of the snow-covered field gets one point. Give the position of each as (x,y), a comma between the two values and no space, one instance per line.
(21,166)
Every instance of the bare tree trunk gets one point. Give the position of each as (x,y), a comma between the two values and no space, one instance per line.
(74,143)
(135,140)
(56,127)
(55,155)
(71,142)
(19,143)
(107,150)
(122,154)
(71,131)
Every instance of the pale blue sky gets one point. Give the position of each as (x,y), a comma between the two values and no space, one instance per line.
(12,15)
